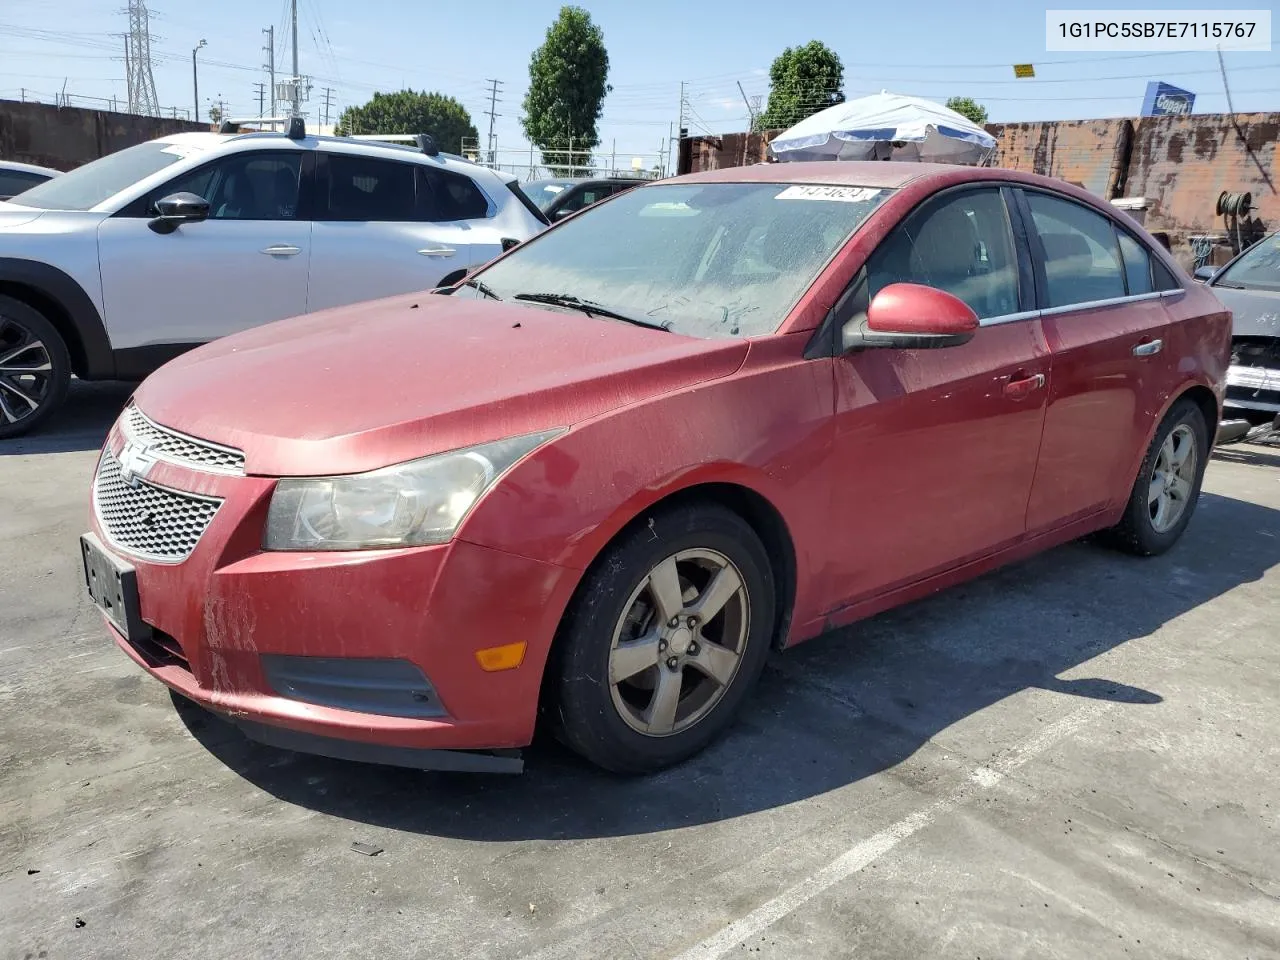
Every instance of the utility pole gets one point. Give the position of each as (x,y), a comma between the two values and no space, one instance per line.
(328,102)
(297,81)
(195,80)
(751,114)
(262,98)
(493,102)
(270,65)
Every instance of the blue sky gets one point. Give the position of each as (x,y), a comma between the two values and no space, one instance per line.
(933,48)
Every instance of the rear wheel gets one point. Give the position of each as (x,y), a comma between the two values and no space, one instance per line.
(1168,485)
(35,369)
(666,639)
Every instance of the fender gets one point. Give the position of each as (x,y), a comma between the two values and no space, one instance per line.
(91,344)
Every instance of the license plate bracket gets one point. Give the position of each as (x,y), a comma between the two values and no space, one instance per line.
(113,587)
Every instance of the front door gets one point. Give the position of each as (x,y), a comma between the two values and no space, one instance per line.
(1107,328)
(936,449)
(244,266)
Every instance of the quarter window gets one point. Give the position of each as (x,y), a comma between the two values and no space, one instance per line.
(1137,264)
(368,189)
(961,244)
(444,196)
(244,186)
(1081,256)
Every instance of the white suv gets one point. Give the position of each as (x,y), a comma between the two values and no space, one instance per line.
(112,269)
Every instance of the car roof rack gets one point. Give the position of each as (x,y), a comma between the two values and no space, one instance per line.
(424,141)
(236,124)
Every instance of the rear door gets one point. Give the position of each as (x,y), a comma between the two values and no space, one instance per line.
(1107,328)
(375,234)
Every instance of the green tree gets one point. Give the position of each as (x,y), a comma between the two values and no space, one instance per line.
(408,111)
(969,107)
(568,81)
(802,81)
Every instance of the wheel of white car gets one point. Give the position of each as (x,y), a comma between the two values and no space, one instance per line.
(35,369)
(666,638)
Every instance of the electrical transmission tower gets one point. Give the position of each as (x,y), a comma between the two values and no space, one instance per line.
(328,103)
(137,61)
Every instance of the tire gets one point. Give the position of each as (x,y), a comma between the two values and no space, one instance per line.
(1141,531)
(619,619)
(35,368)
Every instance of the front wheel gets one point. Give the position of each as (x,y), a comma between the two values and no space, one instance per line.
(666,638)
(35,370)
(1168,486)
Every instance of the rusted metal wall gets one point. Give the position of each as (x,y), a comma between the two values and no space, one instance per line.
(730,150)
(66,137)
(1183,163)
(1091,153)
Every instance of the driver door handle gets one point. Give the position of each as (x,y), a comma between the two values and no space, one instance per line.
(1021,388)
(437,251)
(1148,348)
(281,250)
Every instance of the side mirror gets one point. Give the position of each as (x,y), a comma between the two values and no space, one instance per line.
(1204,274)
(177,209)
(915,317)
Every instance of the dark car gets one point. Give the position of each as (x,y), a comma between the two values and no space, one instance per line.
(559,198)
(1249,286)
(17,177)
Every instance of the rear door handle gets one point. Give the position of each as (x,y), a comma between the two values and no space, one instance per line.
(1021,388)
(281,250)
(437,251)
(1148,348)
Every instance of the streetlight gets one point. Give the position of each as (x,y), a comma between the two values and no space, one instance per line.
(195,81)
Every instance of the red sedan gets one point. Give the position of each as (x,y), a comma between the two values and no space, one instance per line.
(602,477)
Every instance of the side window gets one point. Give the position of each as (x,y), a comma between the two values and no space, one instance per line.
(369,189)
(444,196)
(244,186)
(961,244)
(1081,257)
(13,182)
(1137,264)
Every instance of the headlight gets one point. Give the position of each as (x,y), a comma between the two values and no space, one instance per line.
(410,504)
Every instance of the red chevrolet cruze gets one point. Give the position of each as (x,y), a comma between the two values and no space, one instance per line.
(599,479)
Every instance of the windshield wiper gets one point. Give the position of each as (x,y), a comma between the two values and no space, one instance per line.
(591,309)
(480,285)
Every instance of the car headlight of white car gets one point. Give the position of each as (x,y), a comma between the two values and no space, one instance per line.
(410,504)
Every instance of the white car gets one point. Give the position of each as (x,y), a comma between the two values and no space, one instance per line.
(15,178)
(110,270)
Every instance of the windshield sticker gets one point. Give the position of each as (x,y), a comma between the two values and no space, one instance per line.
(181,150)
(837,194)
(553,188)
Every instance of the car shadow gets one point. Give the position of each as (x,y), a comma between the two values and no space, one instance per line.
(81,423)
(1254,454)
(835,710)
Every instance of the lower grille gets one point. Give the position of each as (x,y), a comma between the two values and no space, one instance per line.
(150,521)
(159,649)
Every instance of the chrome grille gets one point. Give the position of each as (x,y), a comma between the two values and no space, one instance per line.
(151,521)
(166,444)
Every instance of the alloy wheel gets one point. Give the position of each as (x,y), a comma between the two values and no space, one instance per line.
(679,642)
(1172,479)
(26,372)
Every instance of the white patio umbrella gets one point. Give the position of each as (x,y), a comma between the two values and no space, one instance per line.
(885,126)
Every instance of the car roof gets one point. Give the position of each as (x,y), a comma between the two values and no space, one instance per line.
(28,168)
(853,173)
(212,141)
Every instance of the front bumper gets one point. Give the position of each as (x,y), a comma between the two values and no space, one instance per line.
(1253,388)
(216,622)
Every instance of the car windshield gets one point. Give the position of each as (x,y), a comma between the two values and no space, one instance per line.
(1257,269)
(544,192)
(705,260)
(86,187)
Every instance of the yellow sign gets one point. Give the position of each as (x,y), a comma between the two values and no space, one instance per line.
(1024,70)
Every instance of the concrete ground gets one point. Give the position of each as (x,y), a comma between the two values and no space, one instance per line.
(1074,757)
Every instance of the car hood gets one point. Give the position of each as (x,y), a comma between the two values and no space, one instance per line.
(360,387)
(1254,313)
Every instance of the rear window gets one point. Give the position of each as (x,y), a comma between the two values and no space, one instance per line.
(87,186)
(1257,269)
